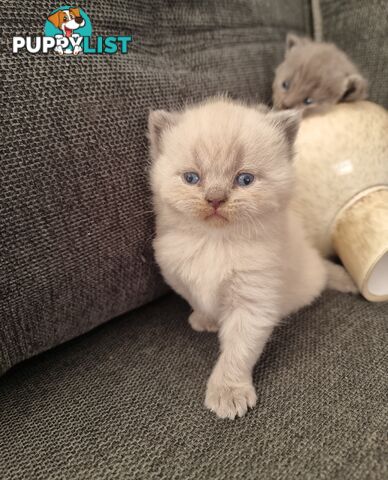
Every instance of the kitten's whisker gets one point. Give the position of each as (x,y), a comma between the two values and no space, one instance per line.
(139,214)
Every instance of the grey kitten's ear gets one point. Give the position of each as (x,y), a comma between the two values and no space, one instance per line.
(158,122)
(293,40)
(355,88)
(288,122)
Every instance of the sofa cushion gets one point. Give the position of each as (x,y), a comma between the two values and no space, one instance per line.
(126,401)
(75,221)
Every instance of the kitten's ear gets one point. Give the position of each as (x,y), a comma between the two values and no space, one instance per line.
(288,122)
(262,108)
(293,40)
(158,122)
(355,88)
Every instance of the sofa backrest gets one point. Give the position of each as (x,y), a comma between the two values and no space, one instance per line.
(75,222)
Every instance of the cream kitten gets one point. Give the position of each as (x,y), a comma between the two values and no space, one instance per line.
(315,74)
(226,239)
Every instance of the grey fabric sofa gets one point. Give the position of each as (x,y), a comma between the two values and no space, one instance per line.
(125,399)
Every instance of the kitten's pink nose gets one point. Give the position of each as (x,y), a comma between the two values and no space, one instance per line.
(215,203)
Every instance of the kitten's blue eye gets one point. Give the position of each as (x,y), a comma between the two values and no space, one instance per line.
(244,179)
(286,84)
(308,101)
(191,177)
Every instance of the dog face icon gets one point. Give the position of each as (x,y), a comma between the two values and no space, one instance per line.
(67,20)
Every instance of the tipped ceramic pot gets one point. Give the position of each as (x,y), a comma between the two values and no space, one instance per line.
(342,190)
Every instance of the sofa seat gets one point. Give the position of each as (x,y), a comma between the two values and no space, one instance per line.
(126,401)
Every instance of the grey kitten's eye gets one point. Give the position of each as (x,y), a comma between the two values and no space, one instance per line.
(308,101)
(286,84)
(244,179)
(191,177)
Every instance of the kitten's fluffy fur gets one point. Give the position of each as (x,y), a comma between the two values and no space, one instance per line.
(243,271)
(319,71)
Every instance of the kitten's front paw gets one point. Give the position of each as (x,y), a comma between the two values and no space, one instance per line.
(200,323)
(230,401)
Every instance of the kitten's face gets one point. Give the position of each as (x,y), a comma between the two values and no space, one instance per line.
(221,163)
(314,75)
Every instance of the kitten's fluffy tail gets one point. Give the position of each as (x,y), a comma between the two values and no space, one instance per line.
(339,279)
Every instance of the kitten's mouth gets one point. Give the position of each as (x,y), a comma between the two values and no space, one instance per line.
(216,215)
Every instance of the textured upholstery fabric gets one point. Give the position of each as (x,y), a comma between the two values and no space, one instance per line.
(75,219)
(360,27)
(126,402)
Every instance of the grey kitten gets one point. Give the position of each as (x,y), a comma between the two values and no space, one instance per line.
(315,74)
